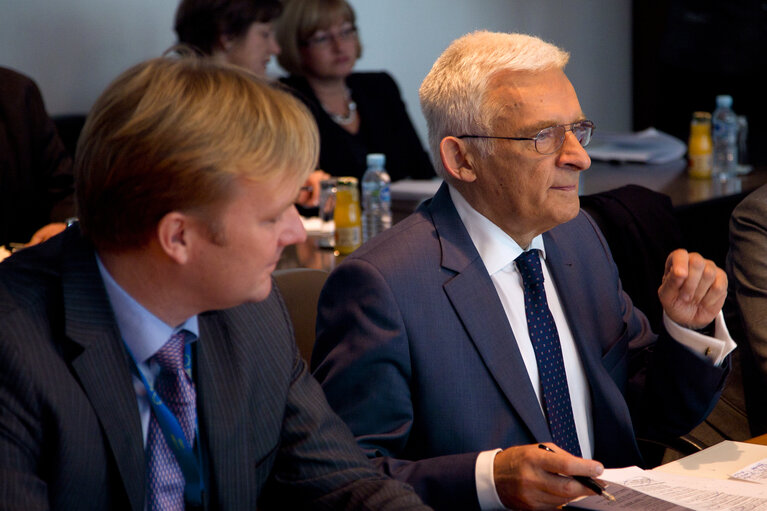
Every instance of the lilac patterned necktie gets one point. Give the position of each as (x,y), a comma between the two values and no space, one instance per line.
(165,480)
(548,354)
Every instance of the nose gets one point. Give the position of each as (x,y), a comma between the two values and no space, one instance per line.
(293,231)
(274,46)
(572,154)
(337,42)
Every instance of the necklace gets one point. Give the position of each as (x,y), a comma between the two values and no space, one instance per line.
(344,120)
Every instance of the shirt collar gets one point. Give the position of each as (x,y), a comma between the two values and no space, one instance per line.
(496,248)
(143,332)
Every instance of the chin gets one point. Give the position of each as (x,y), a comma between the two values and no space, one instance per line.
(263,291)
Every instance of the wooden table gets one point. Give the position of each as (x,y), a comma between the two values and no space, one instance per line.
(703,207)
(671,179)
(761,440)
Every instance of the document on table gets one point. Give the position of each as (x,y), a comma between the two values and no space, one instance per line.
(646,146)
(676,492)
(756,472)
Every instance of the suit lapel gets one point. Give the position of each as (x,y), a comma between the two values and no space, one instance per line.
(99,361)
(476,302)
(611,416)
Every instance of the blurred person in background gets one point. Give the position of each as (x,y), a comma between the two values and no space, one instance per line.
(239,32)
(36,183)
(357,113)
(236,31)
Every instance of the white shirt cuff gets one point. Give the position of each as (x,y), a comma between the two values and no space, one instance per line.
(483,477)
(714,348)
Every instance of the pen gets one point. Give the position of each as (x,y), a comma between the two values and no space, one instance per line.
(586,481)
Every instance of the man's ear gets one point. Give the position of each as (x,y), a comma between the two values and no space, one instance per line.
(175,232)
(456,160)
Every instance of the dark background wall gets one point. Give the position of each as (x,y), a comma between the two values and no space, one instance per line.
(685,52)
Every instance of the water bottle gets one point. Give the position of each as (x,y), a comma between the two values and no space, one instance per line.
(376,199)
(725,137)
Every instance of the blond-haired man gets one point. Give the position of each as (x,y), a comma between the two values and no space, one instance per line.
(493,320)
(145,360)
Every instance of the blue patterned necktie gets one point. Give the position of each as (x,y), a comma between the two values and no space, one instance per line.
(166,481)
(548,354)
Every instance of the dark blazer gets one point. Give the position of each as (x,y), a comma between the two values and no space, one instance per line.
(747,299)
(385,128)
(70,434)
(416,354)
(36,182)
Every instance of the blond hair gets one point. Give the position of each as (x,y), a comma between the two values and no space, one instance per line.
(300,20)
(453,94)
(173,134)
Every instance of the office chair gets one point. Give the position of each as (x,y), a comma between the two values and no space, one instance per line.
(300,289)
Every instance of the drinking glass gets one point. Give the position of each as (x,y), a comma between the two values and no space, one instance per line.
(327,206)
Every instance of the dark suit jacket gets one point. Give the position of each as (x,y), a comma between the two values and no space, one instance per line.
(385,128)
(747,299)
(36,183)
(416,354)
(70,435)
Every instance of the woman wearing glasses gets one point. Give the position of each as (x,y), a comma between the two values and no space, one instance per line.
(357,113)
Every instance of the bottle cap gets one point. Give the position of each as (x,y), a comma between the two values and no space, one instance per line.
(724,100)
(376,160)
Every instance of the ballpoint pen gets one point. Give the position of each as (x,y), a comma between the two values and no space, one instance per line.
(586,481)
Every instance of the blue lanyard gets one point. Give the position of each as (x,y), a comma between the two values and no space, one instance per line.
(174,435)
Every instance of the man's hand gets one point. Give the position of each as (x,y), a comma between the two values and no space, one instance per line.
(45,232)
(310,192)
(527,477)
(693,289)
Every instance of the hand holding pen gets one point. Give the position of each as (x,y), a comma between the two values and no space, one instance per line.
(588,482)
(530,477)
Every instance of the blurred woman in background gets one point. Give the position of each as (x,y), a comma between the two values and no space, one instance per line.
(357,113)
(237,31)
(240,32)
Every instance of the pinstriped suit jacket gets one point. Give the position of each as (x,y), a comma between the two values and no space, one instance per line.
(70,436)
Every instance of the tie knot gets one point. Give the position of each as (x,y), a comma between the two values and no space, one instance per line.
(171,356)
(529,266)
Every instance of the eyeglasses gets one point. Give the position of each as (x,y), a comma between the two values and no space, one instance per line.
(549,140)
(322,39)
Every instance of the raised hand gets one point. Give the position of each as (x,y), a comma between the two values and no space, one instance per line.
(693,289)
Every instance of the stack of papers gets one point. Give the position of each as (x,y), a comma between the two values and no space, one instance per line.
(730,476)
(647,146)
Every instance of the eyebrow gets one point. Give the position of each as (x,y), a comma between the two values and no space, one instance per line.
(548,124)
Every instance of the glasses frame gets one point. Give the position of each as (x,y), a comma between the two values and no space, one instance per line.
(344,35)
(567,127)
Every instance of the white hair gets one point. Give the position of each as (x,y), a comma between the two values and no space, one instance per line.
(453,93)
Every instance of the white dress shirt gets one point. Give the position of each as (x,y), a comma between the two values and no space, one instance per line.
(498,252)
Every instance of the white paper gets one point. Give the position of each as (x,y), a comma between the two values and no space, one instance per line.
(690,492)
(646,146)
(414,189)
(756,472)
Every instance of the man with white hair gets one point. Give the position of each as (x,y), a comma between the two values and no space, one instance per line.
(492,321)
